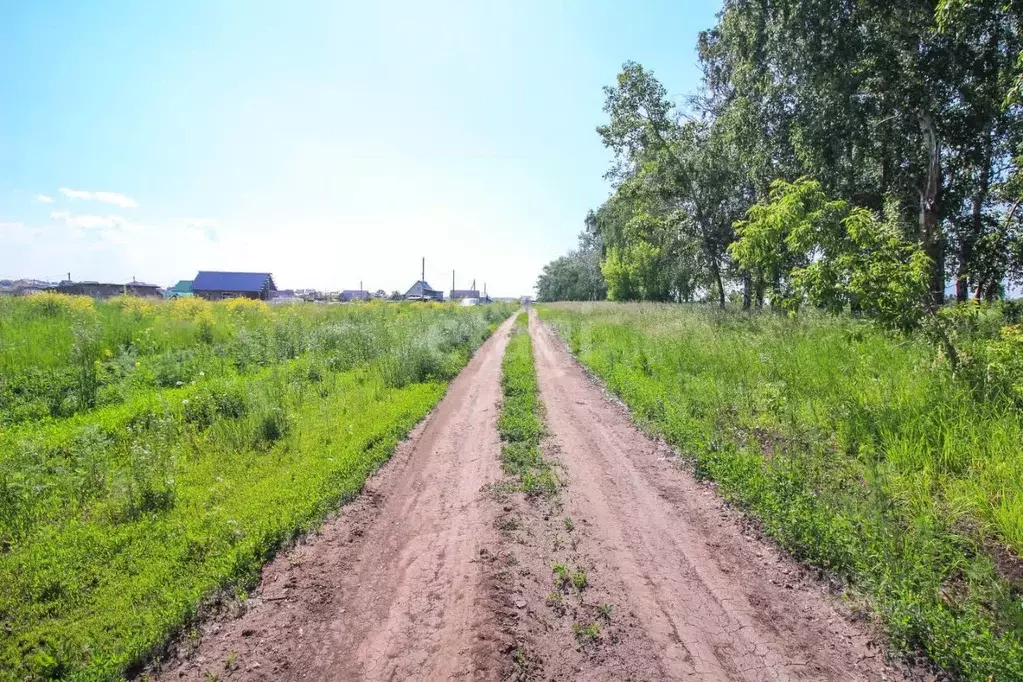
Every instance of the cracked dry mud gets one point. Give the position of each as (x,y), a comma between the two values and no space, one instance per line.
(416,580)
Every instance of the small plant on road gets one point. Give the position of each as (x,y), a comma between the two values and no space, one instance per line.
(604,611)
(579,580)
(586,632)
(556,601)
(562,576)
(569,524)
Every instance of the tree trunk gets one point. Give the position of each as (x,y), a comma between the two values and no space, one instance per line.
(930,225)
(716,271)
(747,290)
(966,252)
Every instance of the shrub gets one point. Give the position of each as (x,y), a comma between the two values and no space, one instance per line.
(272,424)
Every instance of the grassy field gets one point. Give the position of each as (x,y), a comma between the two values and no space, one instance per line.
(521,422)
(154,454)
(860,453)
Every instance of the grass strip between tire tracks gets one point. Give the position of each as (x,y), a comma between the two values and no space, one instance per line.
(521,421)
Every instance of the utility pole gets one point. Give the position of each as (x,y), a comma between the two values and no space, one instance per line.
(422,277)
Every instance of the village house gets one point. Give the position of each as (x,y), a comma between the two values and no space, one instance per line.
(349,295)
(422,291)
(108,289)
(216,286)
(464,294)
(183,289)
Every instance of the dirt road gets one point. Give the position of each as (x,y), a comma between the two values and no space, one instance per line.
(715,603)
(405,584)
(393,589)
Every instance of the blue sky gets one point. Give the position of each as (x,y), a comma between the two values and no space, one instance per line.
(326,142)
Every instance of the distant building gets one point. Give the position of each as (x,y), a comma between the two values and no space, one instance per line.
(183,289)
(349,295)
(215,286)
(462,294)
(107,289)
(286,297)
(23,287)
(422,291)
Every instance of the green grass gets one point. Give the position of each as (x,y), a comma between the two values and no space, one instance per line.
(118,518)
(520,423)
(859,452)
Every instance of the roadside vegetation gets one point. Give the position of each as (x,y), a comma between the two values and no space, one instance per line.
(521,422)
(849,176)
(155,454)
(857,449)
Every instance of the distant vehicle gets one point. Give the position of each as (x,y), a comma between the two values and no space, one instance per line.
(470,301)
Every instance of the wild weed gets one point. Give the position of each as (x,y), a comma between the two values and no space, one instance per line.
(155,453)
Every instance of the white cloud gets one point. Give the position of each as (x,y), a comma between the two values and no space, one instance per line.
(197,223)
(92,221)
(44,199)
(15,233)
(104,197)
(192,228)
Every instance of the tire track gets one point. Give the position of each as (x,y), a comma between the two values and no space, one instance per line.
(716,603)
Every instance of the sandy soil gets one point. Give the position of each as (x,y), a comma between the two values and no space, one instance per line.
(439,571)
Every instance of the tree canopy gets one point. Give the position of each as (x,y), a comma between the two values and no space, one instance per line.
(831,143)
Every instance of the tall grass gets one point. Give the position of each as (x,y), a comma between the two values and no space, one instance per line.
(859,452)
(233,428)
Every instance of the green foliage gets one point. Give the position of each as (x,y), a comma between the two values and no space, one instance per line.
(832,255)
(562,576)
(586,633)
(520,423)
(911,112)
(854,449)
(227,430)
(633,273)
(577,276)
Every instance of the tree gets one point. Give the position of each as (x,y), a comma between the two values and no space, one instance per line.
(670,206)
(834,255)
(577,276)
(910,111)
(875,103)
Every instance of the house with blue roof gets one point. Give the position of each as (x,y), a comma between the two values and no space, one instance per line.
(216,286)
